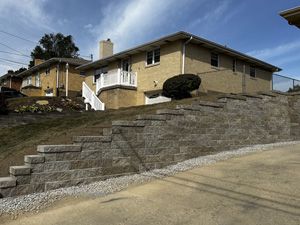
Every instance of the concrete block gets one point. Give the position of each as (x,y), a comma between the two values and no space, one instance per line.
(173,112)
(121,161)
(151,117)
(58,148)
(7,182)
(57,166)
(82,139)
(125,123)
(23,179)
(19,170)
(34,159)
(83,164)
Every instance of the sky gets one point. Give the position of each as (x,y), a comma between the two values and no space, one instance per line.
(253,27)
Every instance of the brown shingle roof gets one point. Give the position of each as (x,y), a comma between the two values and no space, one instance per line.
(178,36)
(71,61)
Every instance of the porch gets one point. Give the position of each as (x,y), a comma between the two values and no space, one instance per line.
(116,78)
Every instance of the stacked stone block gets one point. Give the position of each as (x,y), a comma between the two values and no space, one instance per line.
(158,140)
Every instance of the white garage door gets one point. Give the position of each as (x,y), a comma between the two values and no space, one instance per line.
(155,98)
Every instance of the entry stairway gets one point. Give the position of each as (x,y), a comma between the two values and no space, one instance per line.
(91,98)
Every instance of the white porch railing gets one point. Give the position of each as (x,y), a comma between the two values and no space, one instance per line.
(91,98)
(117,77)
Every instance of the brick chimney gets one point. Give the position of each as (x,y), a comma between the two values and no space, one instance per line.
(38,61)
(105,48)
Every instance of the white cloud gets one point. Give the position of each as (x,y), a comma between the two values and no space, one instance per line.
(277,51)
(213,16)
(26,18)
(124,24)
(88,26)
(62,22)
(28,12)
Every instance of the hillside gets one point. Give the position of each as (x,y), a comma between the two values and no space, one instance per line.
(18,141)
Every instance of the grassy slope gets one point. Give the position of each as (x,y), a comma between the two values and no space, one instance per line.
(18,141)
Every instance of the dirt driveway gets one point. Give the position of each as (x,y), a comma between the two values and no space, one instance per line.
(262,188)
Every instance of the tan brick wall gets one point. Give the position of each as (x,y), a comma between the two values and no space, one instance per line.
(169,66)
(33,92)
(223,79)
(49,80)
(118,97)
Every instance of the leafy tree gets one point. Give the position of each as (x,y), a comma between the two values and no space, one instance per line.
(54,45)
(180,86)
(296,88)
(20,70)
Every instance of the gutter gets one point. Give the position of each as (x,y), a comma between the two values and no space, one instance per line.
(183,54)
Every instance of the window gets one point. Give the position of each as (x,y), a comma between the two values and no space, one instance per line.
(234,65)
(252,71)
(37,80)
(28,80)
(153,57)
(214,59)
(98,73)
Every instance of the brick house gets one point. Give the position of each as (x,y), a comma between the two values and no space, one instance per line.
(136,76)
(11,80)
(54,77)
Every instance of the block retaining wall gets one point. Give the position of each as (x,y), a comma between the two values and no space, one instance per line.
(158,140)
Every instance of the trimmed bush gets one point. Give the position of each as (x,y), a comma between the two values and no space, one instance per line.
(180,86)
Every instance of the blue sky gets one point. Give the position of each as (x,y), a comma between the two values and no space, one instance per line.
(250,26)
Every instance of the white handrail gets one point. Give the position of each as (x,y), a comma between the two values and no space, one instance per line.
(91,98)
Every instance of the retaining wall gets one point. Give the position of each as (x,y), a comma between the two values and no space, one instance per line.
(158,140)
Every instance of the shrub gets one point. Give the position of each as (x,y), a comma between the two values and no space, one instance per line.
(180,86)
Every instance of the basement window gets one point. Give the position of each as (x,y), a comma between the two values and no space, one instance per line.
(153,57)
(252,71)
(214,59)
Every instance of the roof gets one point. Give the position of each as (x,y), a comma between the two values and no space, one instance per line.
(71,61)
(174,37)
(5,76)
(292,16)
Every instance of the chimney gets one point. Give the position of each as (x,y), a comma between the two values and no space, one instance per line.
(105,48)
(38,61)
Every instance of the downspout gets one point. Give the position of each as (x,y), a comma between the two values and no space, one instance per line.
(57,81)
(67,79)
(183,54)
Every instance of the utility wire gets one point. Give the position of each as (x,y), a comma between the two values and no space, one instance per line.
(7,60)
(12,48)
(24,39)
(11,53)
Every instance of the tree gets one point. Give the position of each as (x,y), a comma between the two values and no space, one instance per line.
(54,45)
(180,86)
(15,72)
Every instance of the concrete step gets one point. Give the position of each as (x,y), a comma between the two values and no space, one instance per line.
(7,182)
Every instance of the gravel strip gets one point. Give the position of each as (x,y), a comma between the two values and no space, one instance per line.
(35,202)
